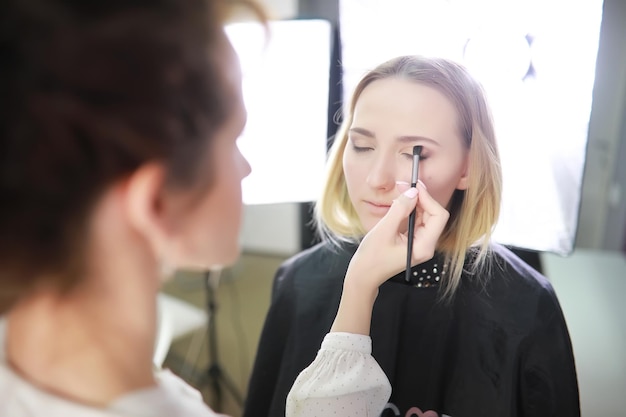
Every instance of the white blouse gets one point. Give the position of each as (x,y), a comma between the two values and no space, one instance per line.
(343,380)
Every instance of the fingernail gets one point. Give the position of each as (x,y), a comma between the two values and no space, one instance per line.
(423,185)
(411,192)
(402,186)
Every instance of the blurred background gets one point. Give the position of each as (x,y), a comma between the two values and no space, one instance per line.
(571,150)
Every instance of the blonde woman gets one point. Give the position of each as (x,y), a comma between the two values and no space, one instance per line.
(476,332)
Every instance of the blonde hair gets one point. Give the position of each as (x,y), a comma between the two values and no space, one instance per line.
(473,212)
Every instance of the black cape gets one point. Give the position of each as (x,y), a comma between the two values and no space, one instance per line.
(500,348)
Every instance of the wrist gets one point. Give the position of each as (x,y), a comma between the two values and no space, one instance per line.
(361,281)
(359,289)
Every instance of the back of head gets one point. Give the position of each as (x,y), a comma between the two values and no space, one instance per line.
(473,212)
(89,91)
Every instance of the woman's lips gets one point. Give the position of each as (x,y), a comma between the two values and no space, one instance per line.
(377,208)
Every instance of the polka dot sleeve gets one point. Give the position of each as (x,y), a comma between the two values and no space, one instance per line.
(343,380)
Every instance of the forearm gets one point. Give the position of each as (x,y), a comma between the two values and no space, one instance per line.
(355,308)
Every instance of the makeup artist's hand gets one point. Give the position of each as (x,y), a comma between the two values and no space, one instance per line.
(382,254)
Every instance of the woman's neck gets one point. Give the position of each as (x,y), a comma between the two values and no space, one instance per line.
(90,346)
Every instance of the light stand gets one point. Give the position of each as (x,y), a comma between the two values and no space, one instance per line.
(214,375)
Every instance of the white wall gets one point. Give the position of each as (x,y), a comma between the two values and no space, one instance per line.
(271,229)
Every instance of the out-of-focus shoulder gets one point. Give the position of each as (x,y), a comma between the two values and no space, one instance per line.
(510,268)
(506,289)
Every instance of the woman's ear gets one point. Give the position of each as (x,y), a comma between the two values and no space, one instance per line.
(464,180)
(145,206)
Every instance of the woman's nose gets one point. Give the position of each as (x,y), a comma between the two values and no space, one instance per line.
(382,175)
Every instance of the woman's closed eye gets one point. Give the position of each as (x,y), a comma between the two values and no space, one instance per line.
(410,156)
(361,148)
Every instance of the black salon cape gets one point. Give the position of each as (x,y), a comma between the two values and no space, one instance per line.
(499,349)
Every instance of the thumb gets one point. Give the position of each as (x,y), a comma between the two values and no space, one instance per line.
(401,208)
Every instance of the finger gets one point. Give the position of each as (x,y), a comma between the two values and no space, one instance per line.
(402,186)
(432,218)
(428,203)
(399,210)
(403,204)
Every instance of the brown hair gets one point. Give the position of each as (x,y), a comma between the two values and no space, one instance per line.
(473,212)
(89,91)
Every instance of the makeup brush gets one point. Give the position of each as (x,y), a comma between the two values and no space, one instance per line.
(417,150)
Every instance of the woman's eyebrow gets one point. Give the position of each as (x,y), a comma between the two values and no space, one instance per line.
(413,139)
(363,132)
(403,139)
